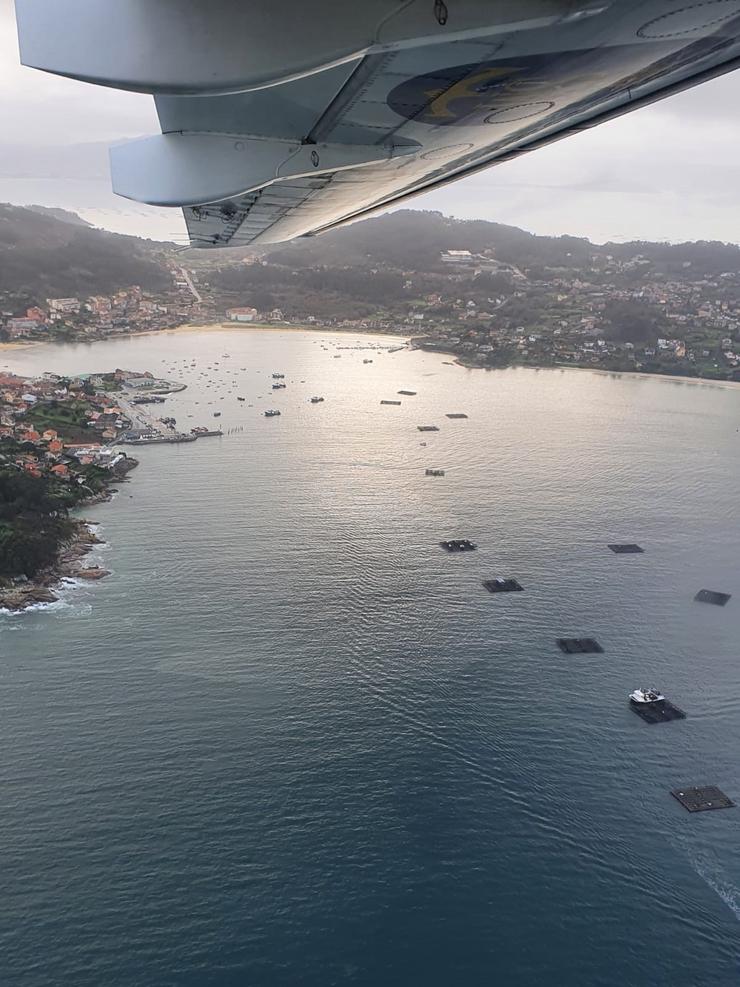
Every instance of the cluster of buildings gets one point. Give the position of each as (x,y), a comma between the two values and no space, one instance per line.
(589,317)
(28,444)
(129,310)
(96,315)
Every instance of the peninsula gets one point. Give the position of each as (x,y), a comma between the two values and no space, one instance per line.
(60,441)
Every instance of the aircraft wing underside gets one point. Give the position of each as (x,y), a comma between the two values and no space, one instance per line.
(262,158)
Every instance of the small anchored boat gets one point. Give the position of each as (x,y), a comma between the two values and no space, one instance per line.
(644,697)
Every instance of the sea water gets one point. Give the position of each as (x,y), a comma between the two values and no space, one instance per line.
(290,741)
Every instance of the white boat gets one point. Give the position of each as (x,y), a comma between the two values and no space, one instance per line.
(645,696)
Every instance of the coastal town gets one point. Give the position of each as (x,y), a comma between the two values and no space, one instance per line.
(61,444)
(608,311)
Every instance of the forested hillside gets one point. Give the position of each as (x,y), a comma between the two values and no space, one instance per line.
(42,255)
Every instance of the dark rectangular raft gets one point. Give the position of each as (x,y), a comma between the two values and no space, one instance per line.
(410,393)
(628,548)
(660,712)
(502,585)
(580,646)
(456,415)
(427,428)
(712,596)
(458,545)
(390,402)
(702,799)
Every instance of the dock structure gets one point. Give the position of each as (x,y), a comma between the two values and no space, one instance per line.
(455,414)
(390,402)
(662,711)
(712,596)
(458,545)
(626,548)
(411,394)
(500,585)
(703,798)
(579,646)
(427,428)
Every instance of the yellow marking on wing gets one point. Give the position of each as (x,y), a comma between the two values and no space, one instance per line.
(465,89)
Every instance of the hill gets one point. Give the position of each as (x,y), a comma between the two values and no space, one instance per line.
(64,214)
(411,240)
(43,255)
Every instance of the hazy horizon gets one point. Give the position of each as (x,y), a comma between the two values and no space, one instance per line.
(663,173)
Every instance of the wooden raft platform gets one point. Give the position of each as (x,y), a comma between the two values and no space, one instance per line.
(702,799)
(712,596)
(660,712)
(458,545)
(503,585)
(579,646)
(628,548)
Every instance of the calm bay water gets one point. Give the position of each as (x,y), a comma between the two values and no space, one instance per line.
(290,741)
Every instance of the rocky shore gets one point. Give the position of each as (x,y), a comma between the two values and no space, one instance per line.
(23,593)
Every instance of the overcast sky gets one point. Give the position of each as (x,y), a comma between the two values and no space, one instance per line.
(668,172)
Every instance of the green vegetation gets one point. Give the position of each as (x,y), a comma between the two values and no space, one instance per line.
(33,521)
(69,418)
(44,256)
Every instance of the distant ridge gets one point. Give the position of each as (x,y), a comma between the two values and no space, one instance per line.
(47,253)
(63,214)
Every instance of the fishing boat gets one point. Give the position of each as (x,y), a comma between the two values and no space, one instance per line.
(643,697)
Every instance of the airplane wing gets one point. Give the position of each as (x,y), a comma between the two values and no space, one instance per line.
(288,118)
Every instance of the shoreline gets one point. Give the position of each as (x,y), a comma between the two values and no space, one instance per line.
(264,327)
(600,371)
(68,565)
(20,346)
(402,340)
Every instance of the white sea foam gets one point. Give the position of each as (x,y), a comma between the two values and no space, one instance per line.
(709,871)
